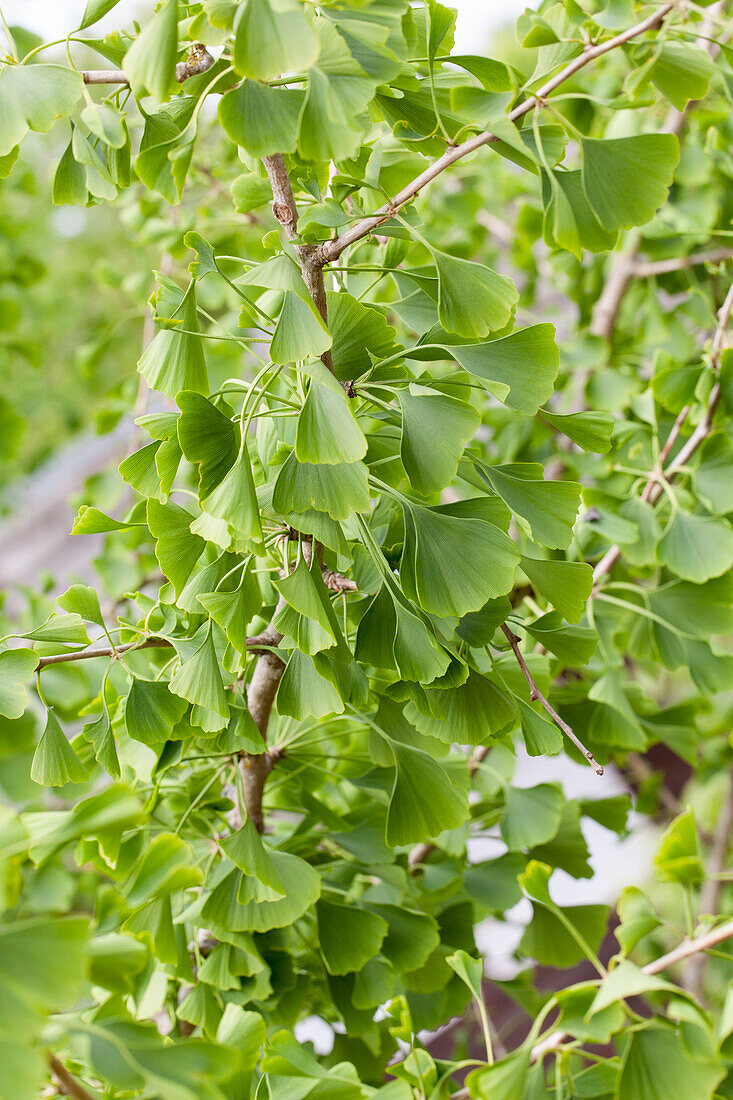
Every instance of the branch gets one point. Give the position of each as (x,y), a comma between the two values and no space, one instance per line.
(199,61)
(653,488)
(108,651)
(331,250)
(536,696)
(286,212)
(647,269)
(67,1085)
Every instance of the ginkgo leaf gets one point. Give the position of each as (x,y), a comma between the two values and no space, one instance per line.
(566,584)
(16,668)
(411,939)
(541,738)
(273,37)
(573,645)
(198,678)
(570,221)
(696,547)
(549,507)
(234,610)
(327,430)
(248,851)
(473,300)
(301,884)
(590,430)
(337,93)
(349,936)
(627,179)
(94,11)
(150,63)
(208,438)
(176,548)
(468,714)
(359,332)
(338,490)
(532,815)
(299,332)
(504,363)
(682,72)
(423,802)
(99,733)
(174,361)
(33,98)
(166,865)
(151,711)
(656,1064)
(303,691)
(428,573)
(55,763)
(435,429)
(263,120)
(235,500)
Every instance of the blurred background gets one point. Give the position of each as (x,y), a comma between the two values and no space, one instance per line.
(54,18)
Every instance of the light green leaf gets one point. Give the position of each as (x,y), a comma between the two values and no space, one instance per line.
(235,500)
(327,430)
(423,802)
(541,738)
(435,429)
(207,437)
(99,733)
(566,584)
(713,478)
(656,1067)
(570,222)
(531,816)
(505,363)
(548,940)
(428,574)
(302,886)
(637,917)
(198,678)
(549,507)
(299,332)
(681,72)
(16,668)
(678,855)
(627,179)
(33,97)
(151,711)
(166,865)
(303,691)
(696,547)
(590,430)
(94,11)
(175,361)
(264,121)
(348,935)
(176,548)
(337,95)
(473,300)
(273,37)
(106,123)
(358,331)
(338,490)
(55,763)
(468,714)
(250,854)
(233,610)
(504,1080)
(391,636)
(573,645)
(150,63)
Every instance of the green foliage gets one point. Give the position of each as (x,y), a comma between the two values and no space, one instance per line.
(348,575)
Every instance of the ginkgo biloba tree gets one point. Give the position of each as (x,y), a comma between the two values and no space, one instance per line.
(384,529)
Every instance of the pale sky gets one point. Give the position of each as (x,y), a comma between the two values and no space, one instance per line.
(54,18)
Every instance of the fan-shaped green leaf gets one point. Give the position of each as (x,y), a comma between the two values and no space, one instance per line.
(338,490)
(435,429)
(423,802)
(627,179)
(55,762)
(176,548)
(273,37)
(175,361)
(150,63)
(33,98)
(473,300)
(16,668)
(349,936)
(263,120)
(327,430)
(198,678)
(151,711)
(696,547)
